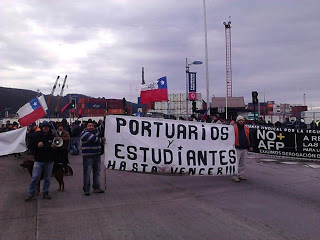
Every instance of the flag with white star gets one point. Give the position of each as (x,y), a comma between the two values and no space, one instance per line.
(32,111)
(155,92)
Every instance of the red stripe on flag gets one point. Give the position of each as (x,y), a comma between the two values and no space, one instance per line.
(155,95)
(32,117)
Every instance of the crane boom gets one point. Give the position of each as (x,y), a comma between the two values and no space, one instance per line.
(61,93)
(52,91)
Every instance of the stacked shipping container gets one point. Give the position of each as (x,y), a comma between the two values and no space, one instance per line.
(177,105)
(91,107)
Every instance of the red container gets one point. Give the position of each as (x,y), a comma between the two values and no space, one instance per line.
(115,111)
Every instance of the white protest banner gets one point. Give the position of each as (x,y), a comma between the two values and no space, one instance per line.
(13,141)
(169,146)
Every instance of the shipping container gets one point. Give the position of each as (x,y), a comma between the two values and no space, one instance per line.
(164,105)
(199,105)
(91,100)
(157,105)
(115,111)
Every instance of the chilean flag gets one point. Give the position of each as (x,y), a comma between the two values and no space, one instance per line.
(155,92)
(32,111)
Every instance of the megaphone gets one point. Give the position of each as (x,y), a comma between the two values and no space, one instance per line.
(58,141)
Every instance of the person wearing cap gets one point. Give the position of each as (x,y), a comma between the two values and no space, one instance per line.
(302,124)
(242,144)
(44,155)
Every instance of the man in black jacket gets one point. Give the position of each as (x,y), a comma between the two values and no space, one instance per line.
(75,141)
(44,154)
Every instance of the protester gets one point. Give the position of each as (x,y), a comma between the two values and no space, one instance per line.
(278,124)
(313,125)
(242,144)
(31,133)
(66,125)
(193,118)
(232,123)
(302,124)
(44,155)
(15,125)
(270,124)
(62,152)
(75,141)
(91,150)
(296,124)
(287,124)
(3,128)
(9,127)
(215,119)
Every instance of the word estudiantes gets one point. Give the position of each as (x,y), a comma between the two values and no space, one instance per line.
(167,156)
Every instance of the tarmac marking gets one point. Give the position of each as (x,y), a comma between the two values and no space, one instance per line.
(312,165)
(269,160)
(290,163)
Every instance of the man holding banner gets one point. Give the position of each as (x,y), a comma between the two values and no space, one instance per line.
(242,144)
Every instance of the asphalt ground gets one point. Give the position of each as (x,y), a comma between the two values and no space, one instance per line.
(279,200)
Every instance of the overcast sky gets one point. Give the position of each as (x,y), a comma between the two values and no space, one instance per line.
(102,45)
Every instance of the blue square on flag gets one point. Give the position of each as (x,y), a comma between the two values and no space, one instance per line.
(162,83)
(35,104)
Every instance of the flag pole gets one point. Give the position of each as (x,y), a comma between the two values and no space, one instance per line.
(105,179)
(205,114)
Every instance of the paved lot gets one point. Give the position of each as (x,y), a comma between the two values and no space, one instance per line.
(278,201)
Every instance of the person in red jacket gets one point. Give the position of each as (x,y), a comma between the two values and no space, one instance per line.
(242,144)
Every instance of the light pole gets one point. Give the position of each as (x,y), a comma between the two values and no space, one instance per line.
(206,53)
(187,73)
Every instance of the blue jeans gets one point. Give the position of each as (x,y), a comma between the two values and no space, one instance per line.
(38,168)
(91,163)
(75,145)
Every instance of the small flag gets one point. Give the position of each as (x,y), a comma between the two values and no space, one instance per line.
(155,92)
(66,107)
(32,111)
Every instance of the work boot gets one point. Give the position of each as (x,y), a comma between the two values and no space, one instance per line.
(242,178)
(235,179)
(98,190)
(46,196)
(29,198)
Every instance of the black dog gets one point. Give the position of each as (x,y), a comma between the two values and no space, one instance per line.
(58,172)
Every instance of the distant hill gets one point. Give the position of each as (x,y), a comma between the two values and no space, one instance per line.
(12,99)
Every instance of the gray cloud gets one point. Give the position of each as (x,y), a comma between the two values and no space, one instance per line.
(102,46)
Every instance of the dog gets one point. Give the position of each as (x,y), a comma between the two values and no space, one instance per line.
(58,172)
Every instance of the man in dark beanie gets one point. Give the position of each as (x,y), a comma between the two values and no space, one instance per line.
(242,144)
(44,155)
